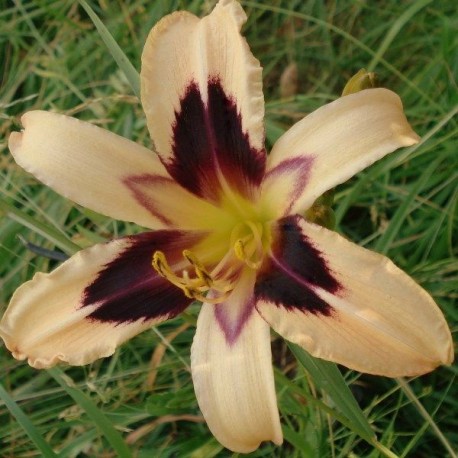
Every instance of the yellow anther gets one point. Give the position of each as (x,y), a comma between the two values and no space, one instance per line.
(205,277)
(192,259)
(199,268)
(239,250)
(159,262)
(192,287)
(162,267)
(188,292)
(247,240)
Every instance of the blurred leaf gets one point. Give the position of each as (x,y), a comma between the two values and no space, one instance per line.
(328,378)
(26,424)
(118,54)
(100,420)
(48,232)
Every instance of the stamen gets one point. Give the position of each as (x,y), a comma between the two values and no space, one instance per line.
(239,250)
(188,293)
(195,287)
(192,259)
(199,268)
(248,247)
(162,267)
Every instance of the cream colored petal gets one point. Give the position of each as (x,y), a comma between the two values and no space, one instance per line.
(104,172)
(175,207)
(233,378)
(182,49)
(381,321)
(92,303)
(331,145)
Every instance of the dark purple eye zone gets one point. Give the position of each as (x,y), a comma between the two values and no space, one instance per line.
(296,269)
(209,143)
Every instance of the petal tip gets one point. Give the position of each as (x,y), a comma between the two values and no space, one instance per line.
(28,116)
(409,138)
(235,9)
(444,353)
(11,345)
(449,356)
(15,141)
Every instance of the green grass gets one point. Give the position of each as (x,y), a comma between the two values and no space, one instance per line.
(52,57)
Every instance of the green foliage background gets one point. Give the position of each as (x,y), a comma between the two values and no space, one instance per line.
(141,402)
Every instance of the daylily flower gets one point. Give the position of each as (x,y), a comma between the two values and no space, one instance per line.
(227,231)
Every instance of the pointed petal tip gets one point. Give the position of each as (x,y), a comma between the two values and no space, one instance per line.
(414,138)
(425,366)
(443,353)
(405,135)
(400,126)
(344,137)
(248,446)
(277,439)
(449,354)
(212,77)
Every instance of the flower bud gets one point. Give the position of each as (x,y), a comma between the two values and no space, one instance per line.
(361,80)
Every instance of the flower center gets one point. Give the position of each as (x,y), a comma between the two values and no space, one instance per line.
(248,241)
(193,287)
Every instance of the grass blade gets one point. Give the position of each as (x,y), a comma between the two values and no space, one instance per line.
(423,412)
(110,433)
(115,50)
(384,242)
(327,377)
(26,424)
(49,233)
(397,26)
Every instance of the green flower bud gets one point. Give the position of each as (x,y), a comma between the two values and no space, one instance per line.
(361,80)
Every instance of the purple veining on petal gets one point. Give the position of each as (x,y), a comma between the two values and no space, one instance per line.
(230,327)
(128,289)
(294,271)
(209,143)
(297,169)
(141,187)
